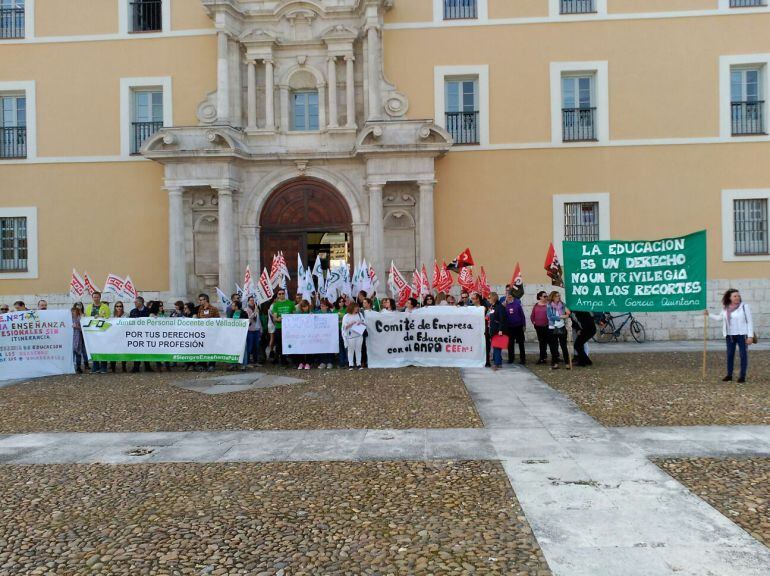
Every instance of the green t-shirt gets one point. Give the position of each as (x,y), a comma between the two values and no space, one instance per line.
(281,307)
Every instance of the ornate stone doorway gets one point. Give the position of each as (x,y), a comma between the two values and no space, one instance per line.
(309,217)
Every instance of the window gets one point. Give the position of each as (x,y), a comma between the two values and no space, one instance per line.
(13,126)
(746,101)
(750,226)
(578,109)
(13,244)
(581,221)
(747,3)
(12,19)
(305,110)
(462,110)
(147,116)
(576,6)
(146,15)
(460,9)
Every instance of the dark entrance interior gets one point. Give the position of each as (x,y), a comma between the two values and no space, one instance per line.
(308,217)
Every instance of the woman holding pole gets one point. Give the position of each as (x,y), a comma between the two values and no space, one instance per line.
(737,330)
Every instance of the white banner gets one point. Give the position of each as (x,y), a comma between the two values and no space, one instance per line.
(36,343)
(432,336)
(310,334)
(165,339)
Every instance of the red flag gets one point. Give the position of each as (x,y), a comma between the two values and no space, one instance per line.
(482,285)
(465,279)
(517,282)
(463,259)
(417,283)
(553,267)
(425,286)
(89,285)
(445,280)
(436,276)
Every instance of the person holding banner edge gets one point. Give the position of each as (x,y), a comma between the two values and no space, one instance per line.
(98,309)
(737,330)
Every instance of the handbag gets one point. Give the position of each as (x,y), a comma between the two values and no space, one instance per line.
(754,337)
(500,341)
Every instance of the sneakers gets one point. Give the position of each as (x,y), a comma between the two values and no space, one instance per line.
(350,369)
(303,367)
(360,367)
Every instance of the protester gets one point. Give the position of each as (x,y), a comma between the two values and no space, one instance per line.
(19,306)
(464,299)
(161,310)
(303,359)
(297,299)
(450,300)
(340,309)
(326,360)
(368,306)
(42,305)
(281,306)
(178,311)
(118,311)
(140,311)
(411,305)
(388,305)
(270,353)
(476,300)
(429,300)
(254,334)
(189,310)
(236,312)
(4,309)
(234,297)
(585,328)
(98,309)
(737,330)
(352,329)
(206,310)
(78,344)
(496,326)
(557,329)
(539,319)
(515,323)
(82,311)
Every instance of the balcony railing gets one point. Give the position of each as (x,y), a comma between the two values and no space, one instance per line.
(578,124)
(460,9)
(747,3)
(463,126)
(11,23)
(577,6)
(142,131)
(13,142)
(146,16)
(748,117)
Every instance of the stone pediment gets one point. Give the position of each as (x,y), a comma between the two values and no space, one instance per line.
(258,36)
(339,32)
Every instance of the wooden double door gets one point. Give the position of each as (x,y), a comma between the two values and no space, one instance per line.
(303,216)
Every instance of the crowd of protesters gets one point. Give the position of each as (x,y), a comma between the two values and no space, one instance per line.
(505,327)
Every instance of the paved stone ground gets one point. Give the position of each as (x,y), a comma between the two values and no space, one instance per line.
(405,398)
(264,519)
(596,503)
(737,487)
(665,389)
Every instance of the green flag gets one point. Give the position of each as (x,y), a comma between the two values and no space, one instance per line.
(665,275)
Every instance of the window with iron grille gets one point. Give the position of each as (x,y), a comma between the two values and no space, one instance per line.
(577,6)
(304,110)
(13,126)
(147,116)
(750,226)
(13,244)
(581,221)
(578,109)
(747,3)
(146,15)
(460,9)
(747,104)
(461,100)
(12,19)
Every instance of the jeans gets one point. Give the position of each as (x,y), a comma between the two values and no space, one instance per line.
(557,340)
(99,367)
(343,354)
(252,340)
(732,342)
(497,356)
(542,340)
(516,336)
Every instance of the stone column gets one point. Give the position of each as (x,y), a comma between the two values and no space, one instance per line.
(226,240)
(376,231)
(251,78)
(373,42)
(427,225)
(322,107)
(236,78)
(350,91)
(270,96)
(332,80)
(177,272)
(285,126)
(223,79)
(359,233)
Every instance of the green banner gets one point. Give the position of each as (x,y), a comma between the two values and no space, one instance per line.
(665,275)
(225,358)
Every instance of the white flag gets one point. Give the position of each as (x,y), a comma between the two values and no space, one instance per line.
(307,287)
(318,270)
(77,286)
(129,290)
(222,299)
(300,269)
(264,288)
(114,285)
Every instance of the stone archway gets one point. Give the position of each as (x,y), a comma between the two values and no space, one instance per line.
(298,217)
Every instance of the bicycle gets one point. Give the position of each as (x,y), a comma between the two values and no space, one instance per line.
(607,331)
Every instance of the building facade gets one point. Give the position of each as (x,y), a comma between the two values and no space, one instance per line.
(180,140)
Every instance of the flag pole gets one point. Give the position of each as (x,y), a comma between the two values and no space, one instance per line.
(569,340)
(705,343)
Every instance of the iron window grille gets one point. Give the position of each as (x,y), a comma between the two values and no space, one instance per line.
(578,124)
(748,118)
(577,6)
(747,3)
(581,221)
(750,227)
(12,19)
(146,16)
(460,9)
(463,126)
(13,244)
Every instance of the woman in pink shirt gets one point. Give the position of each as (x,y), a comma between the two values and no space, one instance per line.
(539,318)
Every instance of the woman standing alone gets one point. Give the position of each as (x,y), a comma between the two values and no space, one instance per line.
(737,329)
